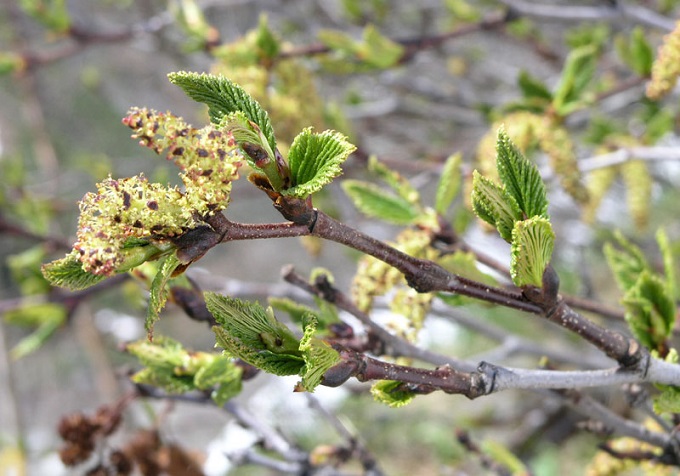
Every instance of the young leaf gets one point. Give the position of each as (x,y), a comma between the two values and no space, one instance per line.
(318,355)
(314,160)
(68,273)
(520,178)
(224,97)
(494,205)
(650,310)
(533,241)
(641,54)
(394,180)
(222,375)
(377,50)
(449,183)
(533,88)
(158,292)
(386,391)
(250,333)
(577,73)
(668,262)
(375,202)
(46,317)
(626,262)
(266,41)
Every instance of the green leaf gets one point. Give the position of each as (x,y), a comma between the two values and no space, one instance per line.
(379,51)
(650,310)
(265,40)
(68,273)
(494,205)
(668,261)
(533,88)
(668,401)
(533,241)
(386,391)
(449,183)
(158,292)
(375,202)
(255,148)
(577,73)
(626,262)
(520,177)
(314,160)
(46,317)
(223,376)
(318,355)
(636,52)
(224,97)
(394,180)
(504,457)
(250,333)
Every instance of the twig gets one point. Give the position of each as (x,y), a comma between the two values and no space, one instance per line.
(621,156)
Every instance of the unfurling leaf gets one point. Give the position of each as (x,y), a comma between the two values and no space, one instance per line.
(318,355)
(449,184)
(158,292)
(650,310)
(247,331)
(493,204)
(169,366)
(375,202)
(390,393)
(533,88)
(377,50)
(68,273)
(224,97)
(520,178)
(533,241)
(315,159)
(267,43)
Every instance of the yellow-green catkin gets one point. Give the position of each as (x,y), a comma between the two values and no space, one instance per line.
(666,67)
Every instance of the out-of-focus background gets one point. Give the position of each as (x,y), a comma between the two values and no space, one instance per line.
(61,132)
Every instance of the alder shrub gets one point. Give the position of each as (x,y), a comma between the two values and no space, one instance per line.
(154,232)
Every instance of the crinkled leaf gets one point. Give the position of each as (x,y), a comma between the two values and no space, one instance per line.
(222,374)
(223,97)
(166,380)
(163,353)
(577,73)
(387,392)
(493,204)
(533,241)
(521,178)
(68,273)
(273,363)
(158,292)
(318,355)
(248,331)
(650,310)
(626,262)
(315,159)
(375,202)
(449,184)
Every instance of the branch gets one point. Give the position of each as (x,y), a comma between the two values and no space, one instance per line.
(615,12)
(621,156)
